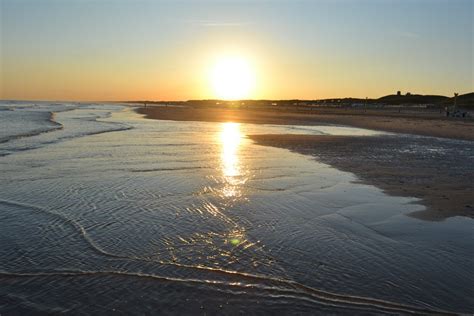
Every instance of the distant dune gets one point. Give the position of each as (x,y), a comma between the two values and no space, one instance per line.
(464,100)
(412,99)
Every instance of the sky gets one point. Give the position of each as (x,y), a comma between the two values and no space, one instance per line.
(166,50)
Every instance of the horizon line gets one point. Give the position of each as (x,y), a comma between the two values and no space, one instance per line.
(224,100)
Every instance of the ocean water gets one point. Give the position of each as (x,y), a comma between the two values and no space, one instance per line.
(105,212)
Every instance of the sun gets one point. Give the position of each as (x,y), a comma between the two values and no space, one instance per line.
(232,78)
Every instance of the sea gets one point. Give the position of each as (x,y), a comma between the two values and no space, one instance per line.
(103,211)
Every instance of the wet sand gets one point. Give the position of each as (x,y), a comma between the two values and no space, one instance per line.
(441,179)
(427,123)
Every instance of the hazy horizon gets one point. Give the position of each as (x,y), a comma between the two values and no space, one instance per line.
(163,50)
(216,99)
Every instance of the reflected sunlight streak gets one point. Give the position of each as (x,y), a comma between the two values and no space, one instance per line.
(231,138)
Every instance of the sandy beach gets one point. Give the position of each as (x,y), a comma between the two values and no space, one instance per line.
(441,182)
(444,186)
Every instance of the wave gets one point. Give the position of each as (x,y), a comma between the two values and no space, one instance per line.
(58,140)
(69,129)
(52,126)
(166,169)
(270,287)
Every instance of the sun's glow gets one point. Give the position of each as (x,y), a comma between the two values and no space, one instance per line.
(233,78)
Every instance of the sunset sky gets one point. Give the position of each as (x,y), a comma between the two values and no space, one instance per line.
(168,50)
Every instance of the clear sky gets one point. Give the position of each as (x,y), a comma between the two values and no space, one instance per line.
(166,50)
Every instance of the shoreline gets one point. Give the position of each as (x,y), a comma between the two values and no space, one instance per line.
(414,122)
(444,190)
(441,180)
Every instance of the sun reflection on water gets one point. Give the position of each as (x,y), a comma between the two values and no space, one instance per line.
(234,176)
(231,141)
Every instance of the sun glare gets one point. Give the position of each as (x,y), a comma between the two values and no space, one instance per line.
(235,176)
(230,138)
(233,78)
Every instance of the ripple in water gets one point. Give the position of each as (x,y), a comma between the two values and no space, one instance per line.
(186,217)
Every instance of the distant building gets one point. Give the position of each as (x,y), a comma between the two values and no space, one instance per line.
(399,93)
